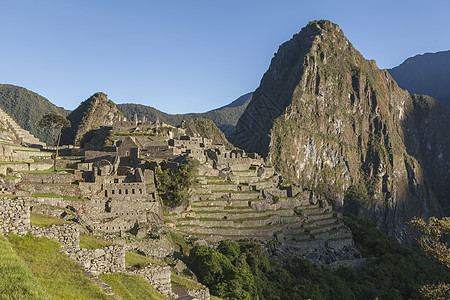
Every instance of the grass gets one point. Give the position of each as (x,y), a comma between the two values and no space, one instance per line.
(225,182)
(16,280)
(59,276)
(50,171)
(75,198)
(235,192)
(11,177)
(183,282)
(168,214)
(137,260)
(92,242)
(131,286)
(46,195)
(53,195)
(44,220)
(178,239)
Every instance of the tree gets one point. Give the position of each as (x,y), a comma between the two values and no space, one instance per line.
(430,240)
(54,124)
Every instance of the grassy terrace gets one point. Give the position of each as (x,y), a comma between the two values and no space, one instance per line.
(140,261)
(223,199)
(224,235)
(131,286)
(235,192)
(226,220)
(56,273)
(53,195)
(41,220)
(50,171)
(16,280)
(224,182)
(183,282)
(92,242)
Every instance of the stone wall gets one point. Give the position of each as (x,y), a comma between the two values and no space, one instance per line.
(25,167)
(48,178)
(200,294)
(14,216)
(68,235)
(157,276)
(110,259)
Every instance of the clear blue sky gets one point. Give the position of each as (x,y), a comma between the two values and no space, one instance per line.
(190,56)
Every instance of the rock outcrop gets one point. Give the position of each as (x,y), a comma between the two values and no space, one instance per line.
(331,121)
(93,113)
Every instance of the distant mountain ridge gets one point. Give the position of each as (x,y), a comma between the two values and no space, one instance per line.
(225,117)
(427,74)
(27,108)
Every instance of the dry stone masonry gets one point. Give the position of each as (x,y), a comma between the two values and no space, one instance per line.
(14,216)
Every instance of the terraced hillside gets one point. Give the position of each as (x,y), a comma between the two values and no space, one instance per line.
(239,204)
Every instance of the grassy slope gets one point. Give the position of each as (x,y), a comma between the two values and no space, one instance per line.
(16,280)
(131,287)
(59,276)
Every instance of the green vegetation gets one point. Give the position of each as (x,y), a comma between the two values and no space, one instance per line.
(240,270)
(50,171)
(225,117)
(49,195)
(54,123)
(27,108)
(431,242)
(59,276)
(140,261)
(131,287)
(183,282)
(44,220)
(92,242)
(174,185)
(16,280)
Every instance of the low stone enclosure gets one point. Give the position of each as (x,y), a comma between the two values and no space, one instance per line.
(15,219)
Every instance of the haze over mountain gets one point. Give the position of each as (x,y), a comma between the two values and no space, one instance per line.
(332,122)
(427,74)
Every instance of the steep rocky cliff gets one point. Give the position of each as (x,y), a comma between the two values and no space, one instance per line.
(331,121)
(91,114)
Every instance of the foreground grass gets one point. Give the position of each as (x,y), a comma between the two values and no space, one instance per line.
(92,242)
(44,220)
(131,286)
(16,281)
(58,275)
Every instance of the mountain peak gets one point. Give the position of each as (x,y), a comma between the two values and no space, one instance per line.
(94,112)
(330,120)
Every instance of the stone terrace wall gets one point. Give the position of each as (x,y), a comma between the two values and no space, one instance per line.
(14,216)
(158,277)
(48,178)
(110,259)
(68,235)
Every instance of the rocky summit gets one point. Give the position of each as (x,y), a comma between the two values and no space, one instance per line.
(93,113)
(331,121)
